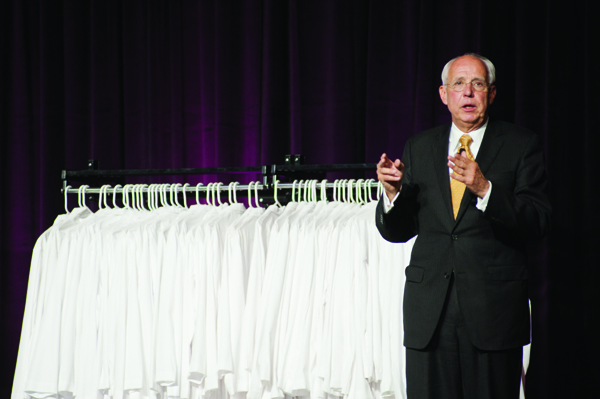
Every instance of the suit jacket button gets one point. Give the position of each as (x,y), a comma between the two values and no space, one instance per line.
(454,237)
(446,275)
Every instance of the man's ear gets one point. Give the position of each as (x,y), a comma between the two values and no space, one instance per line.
(492,94)
(443,94)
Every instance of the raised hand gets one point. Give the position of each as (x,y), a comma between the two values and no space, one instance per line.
(390,175)
(468,172)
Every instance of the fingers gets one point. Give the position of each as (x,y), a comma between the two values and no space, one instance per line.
(390,174)
(388,170)
(468,172)
(460,164)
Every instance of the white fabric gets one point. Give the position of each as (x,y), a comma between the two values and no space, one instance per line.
(214,302)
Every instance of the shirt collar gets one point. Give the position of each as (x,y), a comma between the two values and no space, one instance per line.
(476,135)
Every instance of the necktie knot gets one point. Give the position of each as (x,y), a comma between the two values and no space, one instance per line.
(465,140)
(465,144)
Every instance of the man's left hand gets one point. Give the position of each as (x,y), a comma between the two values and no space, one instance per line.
(468,172)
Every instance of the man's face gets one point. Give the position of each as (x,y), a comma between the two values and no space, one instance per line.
(468,107)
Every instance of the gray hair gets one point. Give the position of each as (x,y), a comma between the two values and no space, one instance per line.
(491,70)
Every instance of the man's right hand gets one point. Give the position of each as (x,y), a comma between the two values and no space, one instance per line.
(390,175)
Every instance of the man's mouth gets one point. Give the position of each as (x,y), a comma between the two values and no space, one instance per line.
(468,107)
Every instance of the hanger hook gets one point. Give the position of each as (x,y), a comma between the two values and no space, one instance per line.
(142,187)
(250,194)
(79,196)
(124,198)
(149,198)
(275,193)
(133,203)
(66,192)
(84,187)
(106,195)
(235,192)
(306,191)
(134,197)
(115,195)
(100,198)
(185,186)
(198,193)
(256,194)
(324,190)
(176,189)
(358,191)
(208,193)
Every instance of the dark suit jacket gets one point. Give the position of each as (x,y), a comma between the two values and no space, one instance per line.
(486,250)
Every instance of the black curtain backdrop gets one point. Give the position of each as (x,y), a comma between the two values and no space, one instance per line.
(156,84)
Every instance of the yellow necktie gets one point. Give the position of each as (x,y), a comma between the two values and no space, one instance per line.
(457,188)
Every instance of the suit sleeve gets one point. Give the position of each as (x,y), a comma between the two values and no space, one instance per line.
(524,210)
(399,224)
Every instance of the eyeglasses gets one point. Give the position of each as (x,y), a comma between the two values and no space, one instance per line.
(476,84)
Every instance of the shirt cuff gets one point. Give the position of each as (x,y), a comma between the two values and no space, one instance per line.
(482,202)
(387,204)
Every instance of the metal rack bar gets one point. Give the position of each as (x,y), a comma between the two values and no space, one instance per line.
(204,188)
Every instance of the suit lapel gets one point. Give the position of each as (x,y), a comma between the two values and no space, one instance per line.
(440,155)
(491,144)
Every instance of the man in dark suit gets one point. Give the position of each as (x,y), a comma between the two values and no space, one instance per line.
(474,192)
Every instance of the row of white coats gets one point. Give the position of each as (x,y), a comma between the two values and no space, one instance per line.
(214,302)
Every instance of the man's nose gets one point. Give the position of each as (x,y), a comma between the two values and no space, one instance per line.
(468,92)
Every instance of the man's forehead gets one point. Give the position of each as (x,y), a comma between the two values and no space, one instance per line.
(468,66)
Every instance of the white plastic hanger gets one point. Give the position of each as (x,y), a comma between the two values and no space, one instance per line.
(102,196)
(343,190)
(218,192)
(250,194)
(275,193)
(81,196)
(335,184)
(367,190)
(350,194)
(175,189)
(150,198)
(66,190)
(186,185)
(124,197)
(198,193)
(256,194)
(155,196)
(134,200)
(324,190)
(115,196)
(300,186)
(306,191)
(294,190)
(358,191)
(106,196)
(229,193)
(163,195)
(209,193)
(134,197)
(142,187)
(313,188)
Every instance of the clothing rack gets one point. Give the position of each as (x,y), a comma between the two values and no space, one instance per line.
(294,167)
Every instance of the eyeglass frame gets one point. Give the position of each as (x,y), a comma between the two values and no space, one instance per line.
(484,89)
